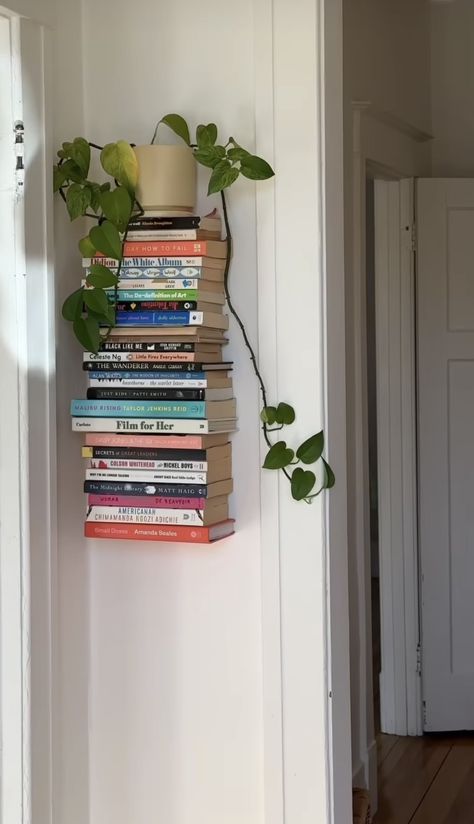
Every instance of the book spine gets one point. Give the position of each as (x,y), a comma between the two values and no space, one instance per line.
(164,295)
(167,367)
(139,306)
(148,233)
(145,394)
(144,441)
(165,277)
(146,476)
(136,488)
(151,426)
(168,248)
(145,515)
(142,346)
(145,261)
(142,357)
(147,532)
(166,458)
(171,222)
(136,409)
(135,380)
(146,500)
(159,318)
(146,465)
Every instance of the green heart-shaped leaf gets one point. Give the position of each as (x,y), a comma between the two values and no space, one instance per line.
(178,125)
(256,168)
(312,449)
(59,177)
(206,135)
(278,456)
(86,247)
(117,206)
(120,162)
(285,413)
(237,153)
(80,152)
(73,305)
(268,415)
(330,478)
(210,155)
(96,299)
(107,240)
(87,332)
(78,199)
(222,177)
(72,171)
(101,277)
(302,482)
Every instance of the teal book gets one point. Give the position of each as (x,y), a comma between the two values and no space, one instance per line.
(214,410)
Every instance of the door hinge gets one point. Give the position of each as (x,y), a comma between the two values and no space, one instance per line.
(19,132)
(418,659)
(409,236)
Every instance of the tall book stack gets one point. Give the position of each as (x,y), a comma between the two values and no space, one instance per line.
(160,405)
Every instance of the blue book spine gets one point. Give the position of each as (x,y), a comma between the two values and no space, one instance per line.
(157,318)
(180,376)
(138,409)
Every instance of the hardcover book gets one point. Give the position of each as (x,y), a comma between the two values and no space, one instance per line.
(153,515)
(167,534)
(165,455)
(152,426)
(173,490)
(136,440)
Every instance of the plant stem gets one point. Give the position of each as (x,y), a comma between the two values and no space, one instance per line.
(233,311)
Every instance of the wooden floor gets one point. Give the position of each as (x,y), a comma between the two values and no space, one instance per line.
(427,780)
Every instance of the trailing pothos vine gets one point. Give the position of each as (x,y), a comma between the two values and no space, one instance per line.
(112,205)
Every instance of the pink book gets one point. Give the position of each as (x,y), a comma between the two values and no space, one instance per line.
(165,441)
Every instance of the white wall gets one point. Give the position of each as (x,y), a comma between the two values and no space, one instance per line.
(386,51)
(175,683)
(452,88)
(387,69)
(193,684)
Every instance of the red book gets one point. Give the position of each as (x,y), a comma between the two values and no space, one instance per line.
(174,248)
(147,500)
(163,441)
(161,534)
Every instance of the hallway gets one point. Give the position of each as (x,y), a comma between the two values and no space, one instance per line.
(427,780)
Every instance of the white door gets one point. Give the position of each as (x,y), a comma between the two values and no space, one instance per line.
(445,312)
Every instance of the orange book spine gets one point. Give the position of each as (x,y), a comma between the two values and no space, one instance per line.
(164,248)
(165,441)
(148,532)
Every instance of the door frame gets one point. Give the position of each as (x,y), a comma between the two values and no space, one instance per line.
(390,151)
(400,678)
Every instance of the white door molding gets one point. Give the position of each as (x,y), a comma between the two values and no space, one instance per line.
(304,548)
(400,693)
(27,432)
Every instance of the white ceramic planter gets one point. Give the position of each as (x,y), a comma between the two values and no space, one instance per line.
(167,178)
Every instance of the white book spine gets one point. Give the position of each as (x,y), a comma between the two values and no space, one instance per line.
(142,426)
(145,261)
(140,515)
(147,357)
(146,476)
(150,383)
(169,284)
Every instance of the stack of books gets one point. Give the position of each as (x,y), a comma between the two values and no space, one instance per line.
(160,405)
